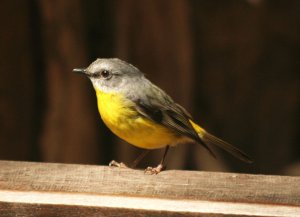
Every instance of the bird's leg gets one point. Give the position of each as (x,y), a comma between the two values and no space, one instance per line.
(160,166)
(134,163)
(139,158)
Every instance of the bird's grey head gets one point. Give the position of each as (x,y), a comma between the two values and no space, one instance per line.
(110,75)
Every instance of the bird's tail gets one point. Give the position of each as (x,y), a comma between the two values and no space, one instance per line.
(208,139)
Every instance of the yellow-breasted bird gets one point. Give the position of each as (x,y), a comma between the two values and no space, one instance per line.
(142,114)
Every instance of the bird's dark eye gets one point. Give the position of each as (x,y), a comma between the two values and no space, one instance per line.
(105,74)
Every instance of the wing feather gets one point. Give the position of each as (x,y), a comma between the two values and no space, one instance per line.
(170,115)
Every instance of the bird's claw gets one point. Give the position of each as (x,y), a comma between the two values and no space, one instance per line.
(154,170)
(114,163)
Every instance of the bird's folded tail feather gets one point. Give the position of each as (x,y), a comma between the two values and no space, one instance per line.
(210,139)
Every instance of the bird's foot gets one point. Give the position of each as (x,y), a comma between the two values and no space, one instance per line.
(155,170)
(114,163)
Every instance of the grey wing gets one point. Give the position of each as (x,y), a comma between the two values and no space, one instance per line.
(164,111)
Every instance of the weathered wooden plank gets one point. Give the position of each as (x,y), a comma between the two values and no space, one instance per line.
(85,190)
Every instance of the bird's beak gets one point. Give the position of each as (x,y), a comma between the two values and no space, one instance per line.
(80,70)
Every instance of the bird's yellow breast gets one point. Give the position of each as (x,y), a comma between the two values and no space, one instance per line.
(121,117)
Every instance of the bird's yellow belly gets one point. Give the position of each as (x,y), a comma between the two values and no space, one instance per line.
(124,121)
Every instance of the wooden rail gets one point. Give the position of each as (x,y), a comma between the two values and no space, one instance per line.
(64,190)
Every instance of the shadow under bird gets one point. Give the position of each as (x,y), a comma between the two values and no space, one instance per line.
(142,114)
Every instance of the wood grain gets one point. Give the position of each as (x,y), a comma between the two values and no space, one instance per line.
(51,189)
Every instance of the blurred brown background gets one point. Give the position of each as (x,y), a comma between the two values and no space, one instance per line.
(233,64)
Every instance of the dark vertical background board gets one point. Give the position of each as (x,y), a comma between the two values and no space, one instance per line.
(233,64)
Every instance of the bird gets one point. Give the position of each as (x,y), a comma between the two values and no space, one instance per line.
(142,114)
